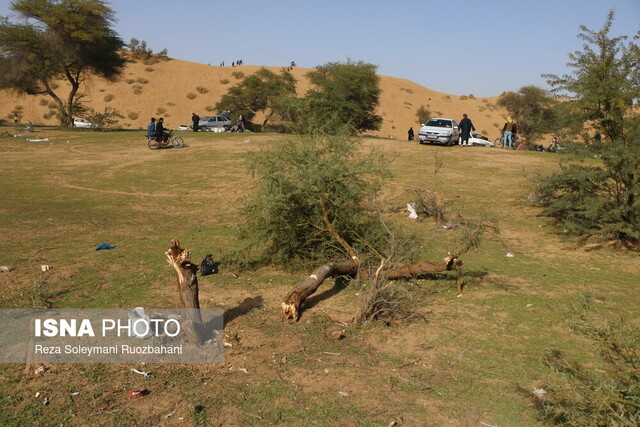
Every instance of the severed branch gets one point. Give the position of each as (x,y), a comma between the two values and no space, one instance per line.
(180,260)
(295,298)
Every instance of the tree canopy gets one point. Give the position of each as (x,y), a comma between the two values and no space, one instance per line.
(597,191)
(260,91)
(605,79)
(60,40)
(347,91)
(532,108)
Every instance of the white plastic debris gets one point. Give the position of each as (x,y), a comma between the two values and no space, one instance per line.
(45,267)
(38,140)
(411,207)
(510,255)
(146,374)
(343,393)
(539,392)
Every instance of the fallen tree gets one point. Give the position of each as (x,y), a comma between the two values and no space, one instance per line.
(293,300)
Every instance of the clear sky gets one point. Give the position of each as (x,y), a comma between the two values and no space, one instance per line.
(480,47)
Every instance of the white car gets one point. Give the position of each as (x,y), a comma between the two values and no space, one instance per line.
(440,131)
(80,122)
(478,139)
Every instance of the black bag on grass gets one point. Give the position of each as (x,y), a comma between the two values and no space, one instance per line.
(208,266)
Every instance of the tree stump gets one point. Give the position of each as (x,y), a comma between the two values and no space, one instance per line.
(180,260)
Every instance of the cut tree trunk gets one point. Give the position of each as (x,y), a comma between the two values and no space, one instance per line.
(295,298)
(180,260)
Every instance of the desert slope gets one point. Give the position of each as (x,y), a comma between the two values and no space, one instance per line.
(174,89)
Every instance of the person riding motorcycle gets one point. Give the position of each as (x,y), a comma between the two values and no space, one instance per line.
(161,135)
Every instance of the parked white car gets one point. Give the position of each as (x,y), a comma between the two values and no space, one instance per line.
(80,122)
(440,131)
(478,139)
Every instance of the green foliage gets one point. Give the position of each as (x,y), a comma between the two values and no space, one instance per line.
(105,119)
(597,199)
(606,396)
(349,91)
(260,91)
(64,39)
(138,50)
(302,180)
(590,198)
(604,82)
(532,109)
(423,114)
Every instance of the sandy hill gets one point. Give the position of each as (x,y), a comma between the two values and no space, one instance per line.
(174,89)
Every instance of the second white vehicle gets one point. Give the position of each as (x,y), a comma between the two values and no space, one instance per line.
(478,139)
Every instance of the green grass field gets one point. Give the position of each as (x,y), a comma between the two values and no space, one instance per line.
(474,360)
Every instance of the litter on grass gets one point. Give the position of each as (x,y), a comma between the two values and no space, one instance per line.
(411,207)
(146,374)
(104,246)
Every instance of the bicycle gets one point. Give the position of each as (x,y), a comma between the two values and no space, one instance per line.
(499,141)
(172,141)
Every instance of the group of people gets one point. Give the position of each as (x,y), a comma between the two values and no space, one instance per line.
(509,131)
(155,129)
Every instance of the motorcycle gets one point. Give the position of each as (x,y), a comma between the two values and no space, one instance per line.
(171,141)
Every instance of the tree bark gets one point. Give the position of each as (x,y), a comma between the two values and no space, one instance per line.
(180,260)
(295,298)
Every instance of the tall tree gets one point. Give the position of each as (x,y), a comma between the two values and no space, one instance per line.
(60,40)
(604,80)
(600,198)
(531,107)
(347,91)
(260,91)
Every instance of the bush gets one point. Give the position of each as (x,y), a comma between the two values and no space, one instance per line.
(238,74)
(108,98)
(148,69)
(202,90)
(142,80)
(224,81)
(597,200)
(191,95)
(304,182)
(606,396)
(423,114)
(132,115)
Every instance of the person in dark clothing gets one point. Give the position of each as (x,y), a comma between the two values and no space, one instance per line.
(410,134)
(196,122)
(161,135)
(466,126)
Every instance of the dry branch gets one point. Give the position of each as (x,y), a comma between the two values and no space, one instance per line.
(295,298)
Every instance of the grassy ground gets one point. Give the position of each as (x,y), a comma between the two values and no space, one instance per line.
(474,361)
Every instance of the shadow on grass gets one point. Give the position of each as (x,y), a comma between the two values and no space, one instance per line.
(245,307)
(340,284)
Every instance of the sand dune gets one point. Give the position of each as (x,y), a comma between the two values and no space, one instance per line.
(174,89)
